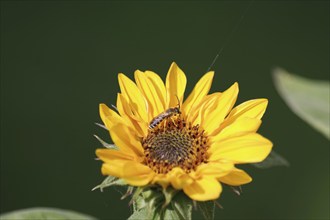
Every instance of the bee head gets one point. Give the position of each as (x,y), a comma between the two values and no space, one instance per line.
(177,110)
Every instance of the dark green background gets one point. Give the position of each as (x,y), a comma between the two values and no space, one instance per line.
(59,60)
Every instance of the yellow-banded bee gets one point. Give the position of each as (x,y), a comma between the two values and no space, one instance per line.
(166,114)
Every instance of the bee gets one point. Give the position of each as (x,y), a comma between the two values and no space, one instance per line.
(166,114)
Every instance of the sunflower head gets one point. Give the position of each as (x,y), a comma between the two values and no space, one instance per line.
(188,144)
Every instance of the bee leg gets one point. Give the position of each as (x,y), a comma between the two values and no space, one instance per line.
(174,122)
(165,124)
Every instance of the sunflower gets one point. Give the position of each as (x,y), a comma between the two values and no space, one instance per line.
(191,145)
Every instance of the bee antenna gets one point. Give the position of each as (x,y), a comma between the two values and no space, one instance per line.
(178,101)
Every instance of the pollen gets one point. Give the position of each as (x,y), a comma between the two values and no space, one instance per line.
(175,143)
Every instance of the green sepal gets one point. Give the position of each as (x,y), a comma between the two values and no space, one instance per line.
(182,206)
(139,214)
(129,192)
(137,199)
(105,144)
(272,160)
(169,193)
(110,181)
(101,125)
(207,209)
(156,203)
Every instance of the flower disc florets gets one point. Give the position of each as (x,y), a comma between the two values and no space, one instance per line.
(175,143)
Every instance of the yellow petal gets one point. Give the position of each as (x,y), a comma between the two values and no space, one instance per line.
(175,86)
(120,106)
(179,178)
(159,86)
(252,109)
(155,106)
(137,174)
(125,139)
(124,108)
(132,172)
(214,169)
(107,155)
(161,179)
(236,128)
(113,168)
(109,117)
(203,189)
(199,92)
(135,98)
(248,148)
(197,113)
(218,110)
(236,177)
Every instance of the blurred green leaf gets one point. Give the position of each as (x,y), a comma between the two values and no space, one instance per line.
(44,214)
(307,98)
(273,160)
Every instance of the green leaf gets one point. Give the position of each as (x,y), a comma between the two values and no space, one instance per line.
(44,214)
(110,181)
(207,209)
(307,98)
(273,160)
(105,144)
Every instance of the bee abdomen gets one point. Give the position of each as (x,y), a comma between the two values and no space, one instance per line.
(161,117)
(156,121)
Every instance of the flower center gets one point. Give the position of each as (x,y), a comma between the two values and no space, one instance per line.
(175,143)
